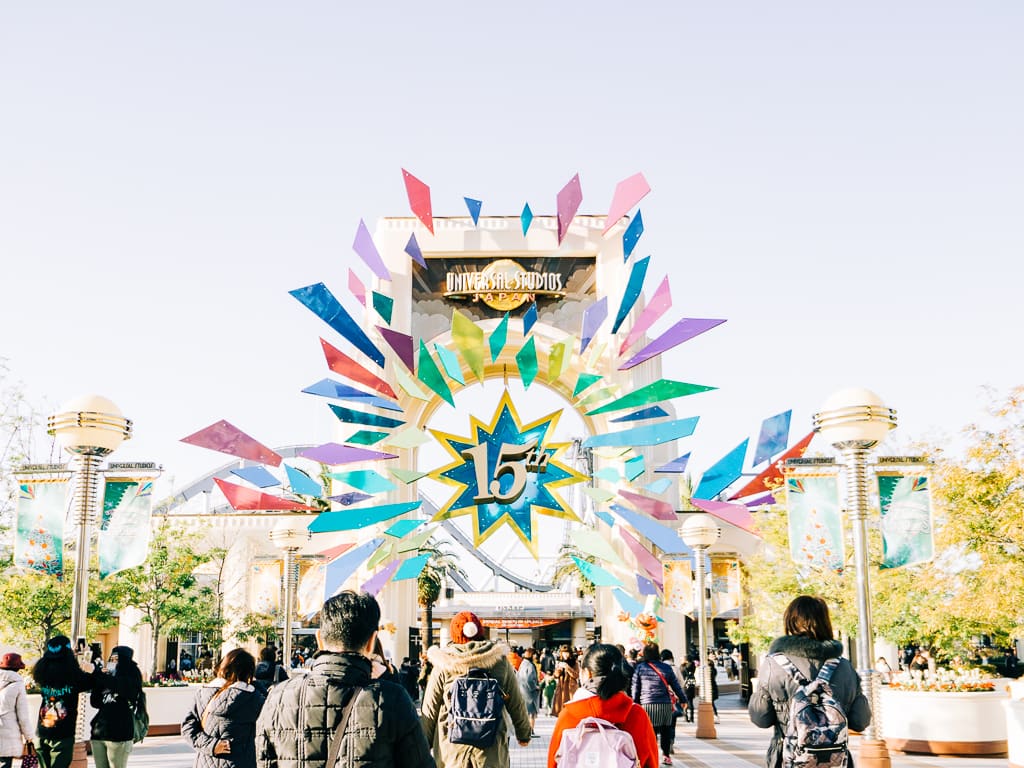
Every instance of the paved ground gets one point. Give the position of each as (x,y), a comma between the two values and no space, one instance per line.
(739,745)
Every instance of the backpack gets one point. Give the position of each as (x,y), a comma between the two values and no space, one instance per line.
(140,718)
(596,743)
(476,709)
(815,734)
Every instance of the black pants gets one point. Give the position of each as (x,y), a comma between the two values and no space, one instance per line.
(666,736)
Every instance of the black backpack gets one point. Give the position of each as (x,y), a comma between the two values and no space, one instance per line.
(476,710)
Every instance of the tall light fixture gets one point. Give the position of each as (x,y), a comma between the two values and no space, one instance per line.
(289,536)
(700,532)
(90,428)
(854,421)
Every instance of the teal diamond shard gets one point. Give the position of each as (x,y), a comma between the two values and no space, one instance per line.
(354,519)
(596,574)
(352,416)
(367,437)
(302,483)
(657,392)
(634,287)
(634,468)
(428,372)
(383,306)
(585,382)
(652,434)
(450,363)
(498,338)
(366,480)
(526,361)
(722,473)
(526,218)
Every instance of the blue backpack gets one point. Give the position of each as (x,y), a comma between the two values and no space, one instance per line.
(476,710)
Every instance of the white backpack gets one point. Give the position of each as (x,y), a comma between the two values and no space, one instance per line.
(596,743)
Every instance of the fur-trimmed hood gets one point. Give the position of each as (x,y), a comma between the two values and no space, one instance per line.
(808,648)
(458,659)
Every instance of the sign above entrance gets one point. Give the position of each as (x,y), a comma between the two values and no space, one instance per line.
(503,285)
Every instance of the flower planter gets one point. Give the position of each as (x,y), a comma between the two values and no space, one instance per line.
(167,708)
(940,723)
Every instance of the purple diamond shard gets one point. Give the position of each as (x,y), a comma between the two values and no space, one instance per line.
(402,344)
(350,498)
(335,453)
(677,466)
(568,202)
(593,316)
(376,582)
(682,331)
(367,251)
(413,249)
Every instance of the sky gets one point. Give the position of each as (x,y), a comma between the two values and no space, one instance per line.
(842,182)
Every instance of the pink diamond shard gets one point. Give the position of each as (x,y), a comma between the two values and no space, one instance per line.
(684,330)
(644,558)
(628,193)
(659,510)
(402,344)
(568,200)
(356,287)
(419,199)
(656,307)
(248,499)
(736,514)
(229,439)
(335,453)
(364,247)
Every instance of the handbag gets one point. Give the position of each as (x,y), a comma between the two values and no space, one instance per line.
(677,707)
(140,719)
(29,758)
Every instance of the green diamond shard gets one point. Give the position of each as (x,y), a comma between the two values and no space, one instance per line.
(585,382)
(383,306)
(366,437)
(450,363)
(468,338)
(498,338)
(406,382)
(407,475)
(601,394)
(381,555)
(428,372)
(556,361)
(526,361)
(657,392)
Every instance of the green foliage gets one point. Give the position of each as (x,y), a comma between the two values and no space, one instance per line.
(431,578)
(262,627)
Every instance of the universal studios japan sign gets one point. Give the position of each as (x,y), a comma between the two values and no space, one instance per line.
(503,285)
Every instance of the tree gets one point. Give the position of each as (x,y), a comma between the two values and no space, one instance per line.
(567,569)
(262,627)
(19,424)
(163,587)
(430,582)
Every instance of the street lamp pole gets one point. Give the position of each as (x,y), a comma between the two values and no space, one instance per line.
(90,428)
(855,421)
(700,532)
(289,537)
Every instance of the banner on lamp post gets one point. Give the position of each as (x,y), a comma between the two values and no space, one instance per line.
(906,509)
(815,524)
(725,586)
(39,530)
(678,579)
(123,539)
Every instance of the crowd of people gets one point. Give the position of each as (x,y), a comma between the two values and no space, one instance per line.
(353,707)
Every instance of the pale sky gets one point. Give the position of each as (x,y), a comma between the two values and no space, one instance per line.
(843,182)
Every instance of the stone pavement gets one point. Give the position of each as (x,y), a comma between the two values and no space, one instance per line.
(739,745)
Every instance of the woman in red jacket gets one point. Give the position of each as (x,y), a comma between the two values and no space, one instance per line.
(601,694)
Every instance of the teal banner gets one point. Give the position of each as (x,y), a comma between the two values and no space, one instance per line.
(906,508)
(39,535)
(125,526)
(815,523)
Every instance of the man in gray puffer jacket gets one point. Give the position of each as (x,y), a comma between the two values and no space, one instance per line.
(299,720)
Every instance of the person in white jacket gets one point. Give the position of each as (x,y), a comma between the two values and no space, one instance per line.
(16,727)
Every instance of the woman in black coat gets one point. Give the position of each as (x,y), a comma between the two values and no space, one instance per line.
(114,697)
(808,644)
(222,723)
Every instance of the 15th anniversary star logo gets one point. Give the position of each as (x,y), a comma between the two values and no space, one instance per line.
(506,474)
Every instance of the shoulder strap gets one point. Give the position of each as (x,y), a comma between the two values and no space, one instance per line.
(783,661)
(830,666)
(335,748)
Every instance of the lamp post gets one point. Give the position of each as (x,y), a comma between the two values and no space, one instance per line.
(289,536)
(700,532)
(854,421)
(89,427)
